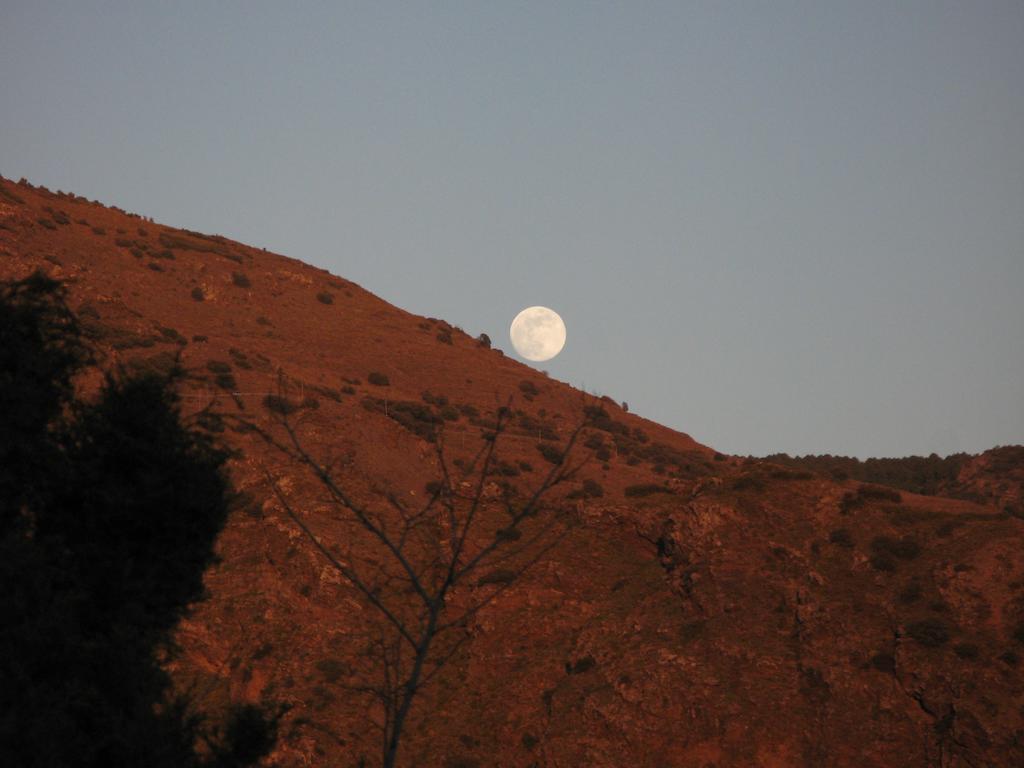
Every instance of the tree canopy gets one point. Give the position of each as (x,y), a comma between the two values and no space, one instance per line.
(109,510)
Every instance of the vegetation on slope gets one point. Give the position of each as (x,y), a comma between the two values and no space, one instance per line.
(925,475)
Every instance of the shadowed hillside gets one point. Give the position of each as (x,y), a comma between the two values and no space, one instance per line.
(699,610)
(994,477)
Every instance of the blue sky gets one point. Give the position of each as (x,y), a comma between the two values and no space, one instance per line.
(776,226)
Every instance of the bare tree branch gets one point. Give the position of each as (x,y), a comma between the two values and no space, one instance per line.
(425,551)
(344,570)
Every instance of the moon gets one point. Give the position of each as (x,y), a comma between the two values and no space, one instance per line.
(537,333)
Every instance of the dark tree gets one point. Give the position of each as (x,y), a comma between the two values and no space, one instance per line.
(110,510)
(40,351)
(471,535)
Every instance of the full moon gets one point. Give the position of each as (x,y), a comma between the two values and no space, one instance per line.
(537,333)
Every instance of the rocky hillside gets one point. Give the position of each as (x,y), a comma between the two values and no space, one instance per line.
(695,609)
(995,477)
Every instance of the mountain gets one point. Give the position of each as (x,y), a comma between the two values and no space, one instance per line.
(696,609)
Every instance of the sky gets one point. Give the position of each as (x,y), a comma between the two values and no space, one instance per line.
(786,226)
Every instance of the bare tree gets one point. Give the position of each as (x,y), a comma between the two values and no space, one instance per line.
(427,571)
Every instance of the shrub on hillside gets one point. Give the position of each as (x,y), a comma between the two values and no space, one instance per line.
(329,392)
(910,593)
(240,358)
(216,366)
(967,651)
(930,633)
(591,489)
(500,576)
(529,389)
(645,489)
(187,240)
(748,482)
(882,562)
(416,417)
(1018,633)
(11,197)
(884,662)
(841,538)
(905,548)
(172,334)
(438,400)
(332,669)
(580,666)
(550,452)
(853,500)
(879,493)
(280,405)
(791,474)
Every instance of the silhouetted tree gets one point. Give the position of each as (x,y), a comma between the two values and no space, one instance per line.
(473,535)
(40,351)
(109,514)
